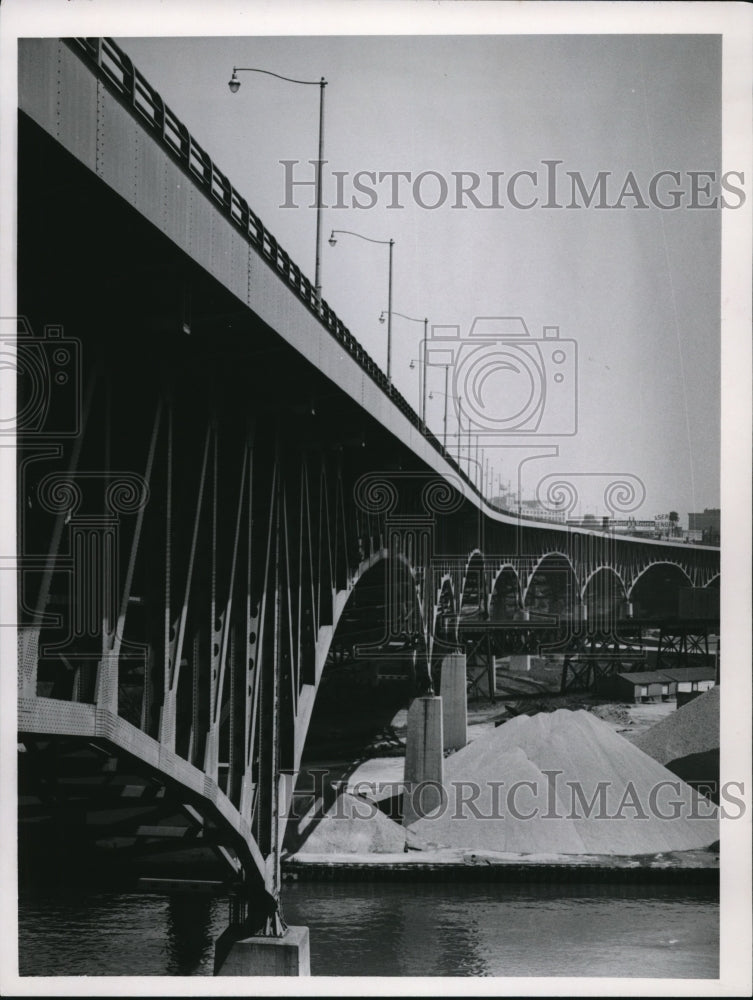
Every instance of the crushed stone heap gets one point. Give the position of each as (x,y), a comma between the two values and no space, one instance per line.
(353,825)
(602,795)
(692,729)
(687,742)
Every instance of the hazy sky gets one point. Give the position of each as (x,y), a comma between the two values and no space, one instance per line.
(638,289)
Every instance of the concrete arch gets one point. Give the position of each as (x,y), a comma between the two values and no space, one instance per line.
(350,624)
(713,582)
(654,565)
(445,621)
(506,585)
(604,594)
(474,554)
(503,568)
(446,592)
(605,569)
(654,592)
(472,586)
(548,557)
(345,599)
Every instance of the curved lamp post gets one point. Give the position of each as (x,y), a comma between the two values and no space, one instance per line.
(234,85)
(448,395)
(390,244)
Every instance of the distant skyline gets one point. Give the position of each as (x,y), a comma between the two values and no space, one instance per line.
(637,288)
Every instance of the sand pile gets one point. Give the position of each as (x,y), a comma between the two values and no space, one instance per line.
(353,825)
(609,797)
(687,741)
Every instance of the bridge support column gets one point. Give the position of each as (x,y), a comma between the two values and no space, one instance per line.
(287,955)
(423,759)
(454,702)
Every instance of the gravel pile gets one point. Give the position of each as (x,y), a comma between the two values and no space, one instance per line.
(353,826)
(692,729)
(687,743)
(546,814)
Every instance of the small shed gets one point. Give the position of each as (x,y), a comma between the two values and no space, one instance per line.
(689,679)
(645,686)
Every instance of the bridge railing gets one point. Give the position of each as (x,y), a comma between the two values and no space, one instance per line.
(122,78)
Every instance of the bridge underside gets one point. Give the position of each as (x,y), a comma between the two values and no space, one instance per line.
(185,557)
(91,813)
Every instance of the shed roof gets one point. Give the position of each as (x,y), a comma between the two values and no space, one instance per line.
(690,673)
(646,677)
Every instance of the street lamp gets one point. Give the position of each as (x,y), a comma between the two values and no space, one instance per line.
(390,244)
(447,396)
(234,85)
(412,361)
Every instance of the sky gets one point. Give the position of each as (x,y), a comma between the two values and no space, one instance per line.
(636,289)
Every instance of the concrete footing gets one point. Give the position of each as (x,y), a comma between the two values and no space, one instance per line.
(454,702)
(269,956)
(423,759)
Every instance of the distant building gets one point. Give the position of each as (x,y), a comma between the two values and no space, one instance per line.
(628,526)
(644,686)
(708,523)
(532,508)
(666,527)
(506,500)
(665,684)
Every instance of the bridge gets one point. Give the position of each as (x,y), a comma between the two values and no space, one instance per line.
(212,473)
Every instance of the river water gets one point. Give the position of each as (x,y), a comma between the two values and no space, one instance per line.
(389,930)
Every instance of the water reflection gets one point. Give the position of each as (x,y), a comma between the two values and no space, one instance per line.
(463,930)
(190,938)
(390,930)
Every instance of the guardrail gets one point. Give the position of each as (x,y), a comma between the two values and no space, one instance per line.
(121,77)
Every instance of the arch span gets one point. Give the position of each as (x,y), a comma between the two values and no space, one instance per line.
(506,599)
(604,595)
(552,586)
(655,591)
(473,590)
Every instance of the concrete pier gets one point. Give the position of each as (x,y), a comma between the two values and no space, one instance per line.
(454,702)
(287,955)
(423,759)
